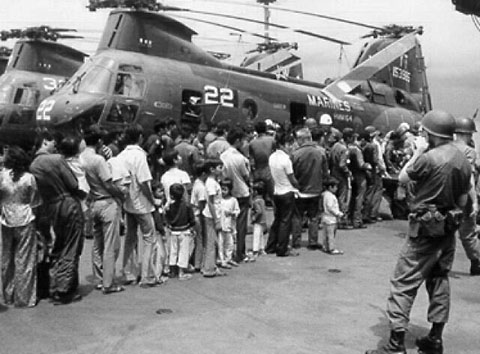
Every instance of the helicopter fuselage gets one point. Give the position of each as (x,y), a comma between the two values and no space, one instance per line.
(117,88)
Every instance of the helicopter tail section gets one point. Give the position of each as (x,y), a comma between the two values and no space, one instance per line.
(394,60)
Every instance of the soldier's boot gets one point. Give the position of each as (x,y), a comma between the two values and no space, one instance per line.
(429,345)
(395,345)
(475,267)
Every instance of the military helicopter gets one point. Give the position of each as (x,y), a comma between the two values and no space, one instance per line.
(38,65)
(146,68)
(4,55)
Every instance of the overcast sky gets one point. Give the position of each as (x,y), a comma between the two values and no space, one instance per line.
(451,43)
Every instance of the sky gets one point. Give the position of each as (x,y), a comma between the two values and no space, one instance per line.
(450,43)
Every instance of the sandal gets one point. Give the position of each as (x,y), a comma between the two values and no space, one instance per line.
(113,289)
(335,252)
(185,276)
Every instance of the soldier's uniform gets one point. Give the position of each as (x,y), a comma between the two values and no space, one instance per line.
(440,176)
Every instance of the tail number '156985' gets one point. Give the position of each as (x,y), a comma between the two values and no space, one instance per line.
(43,111)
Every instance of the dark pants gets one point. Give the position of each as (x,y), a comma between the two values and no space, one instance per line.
(282,224)
(310,206)
(373,197)
(344,192)
(68,224)
(359,187)
(244,205)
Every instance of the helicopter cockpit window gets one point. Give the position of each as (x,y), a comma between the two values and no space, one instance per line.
(121,112)
(129,85)
(94,80)
(25,96)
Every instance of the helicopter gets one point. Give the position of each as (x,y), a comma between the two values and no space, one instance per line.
(146,69)
(38,65)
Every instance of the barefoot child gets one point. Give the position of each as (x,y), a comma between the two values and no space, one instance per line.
(330,217)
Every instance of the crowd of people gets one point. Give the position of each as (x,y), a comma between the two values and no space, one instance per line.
(184,200)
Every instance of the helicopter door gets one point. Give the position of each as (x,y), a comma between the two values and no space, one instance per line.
(128,92)
(192,113)
(26,99)
(298,111)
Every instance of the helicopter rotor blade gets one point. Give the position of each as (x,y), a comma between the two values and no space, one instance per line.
(170,8)
(68,36)
(226,26)
(332,18)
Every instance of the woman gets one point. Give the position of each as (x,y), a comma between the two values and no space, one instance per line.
(18,198)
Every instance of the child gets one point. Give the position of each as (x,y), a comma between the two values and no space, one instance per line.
(229,213)
(212,214)
(259,219)
(331,213)
(198,201)
(181,222)
(159,254)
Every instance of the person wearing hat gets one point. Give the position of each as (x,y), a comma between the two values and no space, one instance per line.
(441,173)
(465,127)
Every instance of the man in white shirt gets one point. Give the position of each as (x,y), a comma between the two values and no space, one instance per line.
(236,167)
(285,187)
(139,203)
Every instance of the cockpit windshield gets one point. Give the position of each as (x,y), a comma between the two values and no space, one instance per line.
(92,78)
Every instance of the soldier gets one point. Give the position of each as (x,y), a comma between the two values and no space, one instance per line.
(441,176)
(463,139)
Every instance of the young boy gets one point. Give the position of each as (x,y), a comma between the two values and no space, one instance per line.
(198,201)
(259,219)
(331,213)
(212,214)
(181,222)
(229,212)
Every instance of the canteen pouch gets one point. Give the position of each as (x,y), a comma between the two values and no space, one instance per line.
(430,223)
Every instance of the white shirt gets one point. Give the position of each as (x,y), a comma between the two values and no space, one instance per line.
(230,210)
(172,176)
(331,210)
(199,194)
(280,167)
(213,189)
(236,167)
(135,161)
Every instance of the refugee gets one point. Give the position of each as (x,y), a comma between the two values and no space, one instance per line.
(198,201)
(138,206)
(212,215)
(285,187)
(19,198)
(260,149)
(441,174)
(174,174)
(181,223)
(331,215)
(106,199)
(310,167)
(259,219)
(340,170)
(220,143)
(62,212)
(229,213)
(187,151)
(236,167)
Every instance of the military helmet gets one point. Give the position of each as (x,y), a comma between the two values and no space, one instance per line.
(465,125)
(439,123)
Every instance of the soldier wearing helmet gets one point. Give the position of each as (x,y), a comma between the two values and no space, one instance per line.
(465,127)
(440,174)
